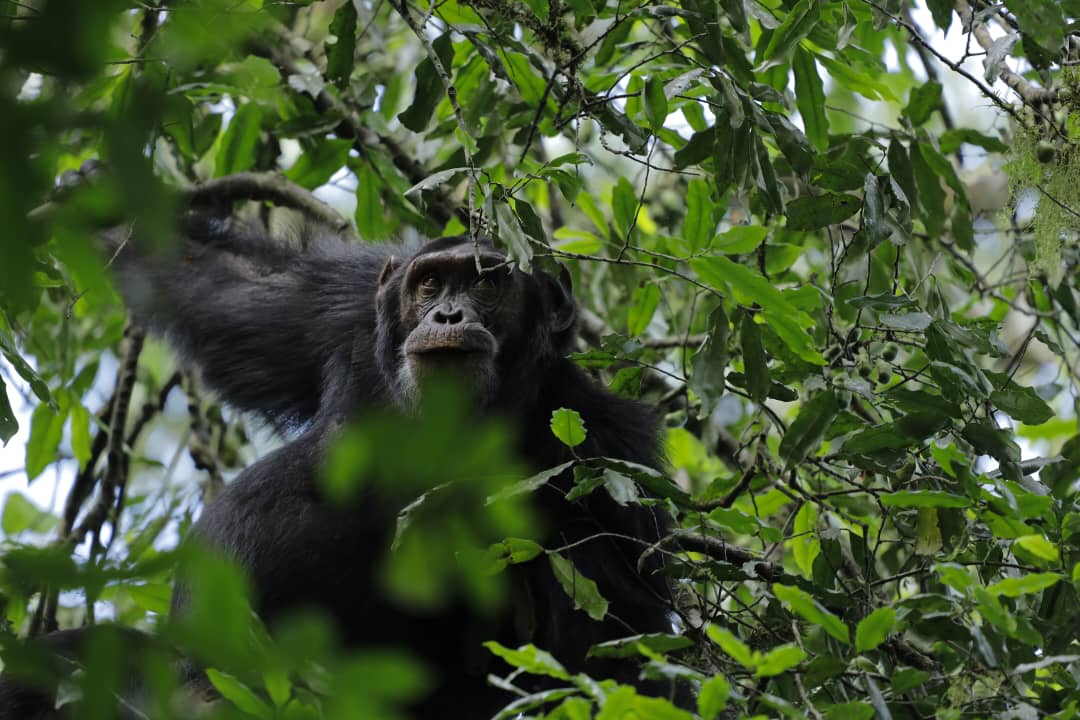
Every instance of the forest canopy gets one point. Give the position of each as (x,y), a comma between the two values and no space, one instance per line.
(833,242)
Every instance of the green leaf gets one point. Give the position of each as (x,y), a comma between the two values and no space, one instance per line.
(748,288)
(46,429)
(802,604)
(530,221)
(698,226)
(278,687)
(713,697)
(779,660)
(793,143)
(805,545)
(434,180)
(1041,20)
(526,79)
(643,304)
(816,212)
(941,11)
(906,322)
(847,76)
(530,484)
(657,643)
(906,432)
(429,87)
(320,161)
(810,98)
(240,140)
(25,370)
(369,217)
(883,301)
(582,590)
(624,704)
(951,141)
(755,363)
(20,514)
(340,55)
(798,23)
(836,174)
(928,540)
(923,101)
(955,576)
(962,225)
(1023,404)
(875,227)
(255,78)
(239,694)
(874,628)
(740,240)
(764,177)
(513,236)
(804,435)
(1026,585)
(540,9)
(733,646)
(568,427)
(924,498)
(906,679)
(531,659)
(993,441)
(902,173)
(656,482)
(8,424)
(943,168)
(513,551)
(853,710)
(931,198)
(656,104)
(624,206)
(710,362)
(1038,546)
(621,488)
(698,149)
(80,433)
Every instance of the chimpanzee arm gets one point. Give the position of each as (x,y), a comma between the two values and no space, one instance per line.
(271,326)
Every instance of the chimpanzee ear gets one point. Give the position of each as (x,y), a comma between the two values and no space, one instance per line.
(388,270)
(563,307)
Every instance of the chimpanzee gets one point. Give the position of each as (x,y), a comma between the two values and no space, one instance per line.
(311,337)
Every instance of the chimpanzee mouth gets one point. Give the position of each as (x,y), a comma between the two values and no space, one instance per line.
(451,343)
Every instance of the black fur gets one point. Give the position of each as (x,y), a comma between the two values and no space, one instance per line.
(270,326)
(293,335)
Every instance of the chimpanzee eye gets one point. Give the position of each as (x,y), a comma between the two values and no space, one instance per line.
(430,285)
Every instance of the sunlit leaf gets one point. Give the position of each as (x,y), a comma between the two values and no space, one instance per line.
(1024,585)
(802,604)
(568,427)
(46,429)
(874,628)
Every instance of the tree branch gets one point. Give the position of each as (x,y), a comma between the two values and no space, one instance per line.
(1029,93)
(271,187)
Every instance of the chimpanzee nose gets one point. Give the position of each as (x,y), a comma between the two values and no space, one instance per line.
(447,315)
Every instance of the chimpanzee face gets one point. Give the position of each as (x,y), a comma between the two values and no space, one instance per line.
(452,317)
(439,315)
